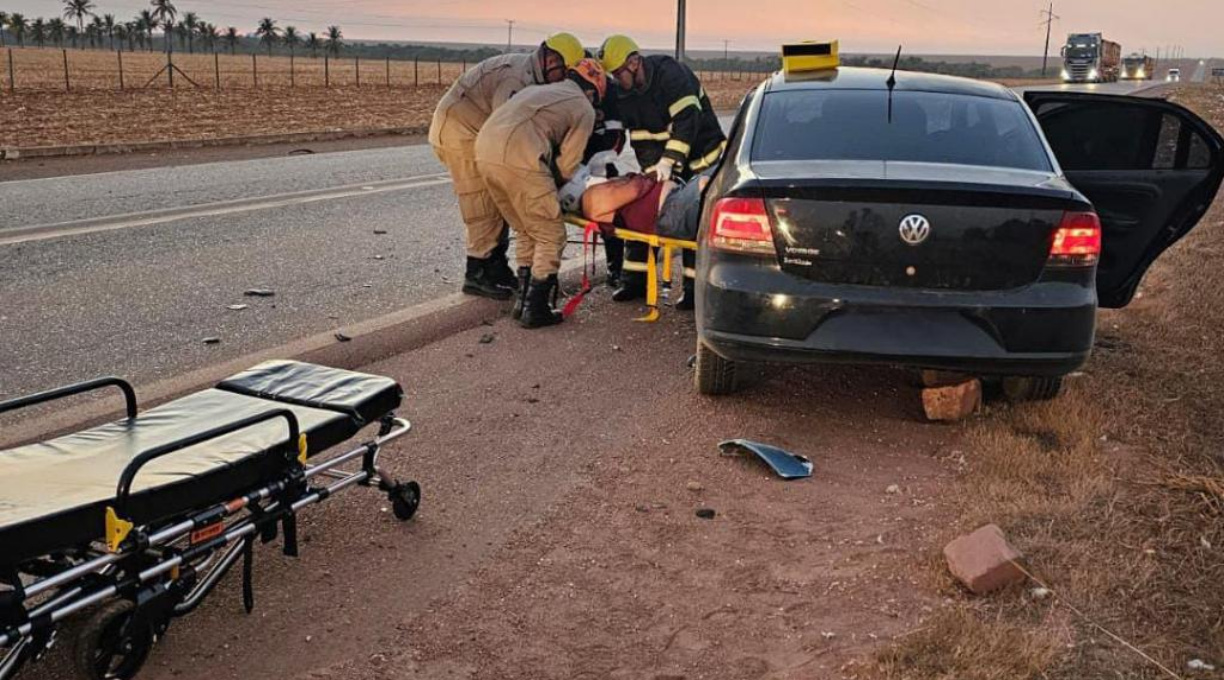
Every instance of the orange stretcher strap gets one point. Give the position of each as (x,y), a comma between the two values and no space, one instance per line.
(590,238)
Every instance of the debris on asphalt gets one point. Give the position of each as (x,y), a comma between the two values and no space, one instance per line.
(892,490)
(342,337)
(367,285)
(212,340)
(380,232)
(301,152)
(378,257)
(694,486)
(236,308)
(487,338)
(952,402)
(1199,665)
(785,464)
(984,561)
(692,361)
(259,292)
(706,513)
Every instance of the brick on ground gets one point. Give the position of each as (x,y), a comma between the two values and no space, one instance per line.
(952,402)
(984,561)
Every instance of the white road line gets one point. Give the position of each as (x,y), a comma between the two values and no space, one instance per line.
(42,232)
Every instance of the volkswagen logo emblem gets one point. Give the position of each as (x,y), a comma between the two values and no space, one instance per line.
(915,229)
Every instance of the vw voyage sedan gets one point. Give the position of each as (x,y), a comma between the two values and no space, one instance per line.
(938,223)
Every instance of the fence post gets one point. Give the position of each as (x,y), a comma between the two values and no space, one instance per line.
(326,71)
(255,70)
(12,73)
(170,68)
(464,66)
(67,85)
(292,80)
(357,68)
(217,69)
(119,55)
(388,71)
(416,69)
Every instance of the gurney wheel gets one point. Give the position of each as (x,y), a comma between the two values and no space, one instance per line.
(111,645)
(405,499)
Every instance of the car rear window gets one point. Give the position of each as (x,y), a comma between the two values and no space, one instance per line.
(926,127)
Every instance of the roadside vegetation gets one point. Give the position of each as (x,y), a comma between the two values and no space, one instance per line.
(1114,492)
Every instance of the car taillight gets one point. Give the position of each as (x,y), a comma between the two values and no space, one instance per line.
(1077,242)
(741,225)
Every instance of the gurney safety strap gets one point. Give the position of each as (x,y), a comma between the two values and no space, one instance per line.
(590,238)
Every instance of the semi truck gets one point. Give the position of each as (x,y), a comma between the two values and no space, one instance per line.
(1138,67)
(1090,58)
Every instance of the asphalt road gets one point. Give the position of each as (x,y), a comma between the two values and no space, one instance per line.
(128,272)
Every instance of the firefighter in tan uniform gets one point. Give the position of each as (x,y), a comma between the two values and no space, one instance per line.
(458,119)
(529,147)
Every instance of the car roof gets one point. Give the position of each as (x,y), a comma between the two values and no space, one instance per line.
(856,78)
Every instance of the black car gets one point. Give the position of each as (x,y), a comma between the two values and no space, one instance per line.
(940,223)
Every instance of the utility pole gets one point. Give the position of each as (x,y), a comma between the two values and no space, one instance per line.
(680,29)
(509,36)
(1049,22)
(726,51)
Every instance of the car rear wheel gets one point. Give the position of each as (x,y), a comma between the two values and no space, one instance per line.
(714,374)
(1032,388)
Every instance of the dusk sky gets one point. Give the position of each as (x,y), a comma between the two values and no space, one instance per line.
(923,26)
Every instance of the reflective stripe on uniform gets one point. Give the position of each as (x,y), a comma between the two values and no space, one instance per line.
(633,266)
(647,135)
(682,104)
(690,273)
(680,147)
(708,159)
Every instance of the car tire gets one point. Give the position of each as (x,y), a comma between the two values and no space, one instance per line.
(714,375)
(1032,388)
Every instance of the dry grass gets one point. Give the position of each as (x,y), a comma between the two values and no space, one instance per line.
(1115,493)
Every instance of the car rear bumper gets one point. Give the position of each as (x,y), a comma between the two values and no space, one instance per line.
(758,313)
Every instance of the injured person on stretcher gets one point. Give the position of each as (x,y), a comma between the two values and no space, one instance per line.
(638,203)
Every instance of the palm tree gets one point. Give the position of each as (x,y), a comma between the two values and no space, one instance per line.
(335,40)
(191,22)
(313,44)
(71,33)
(38,32)
(18,25)
(4,18)
(55,31)
(147,22)
(209,34)
(267,33)
(180,30)
(108,20)
(291,38)
(79,10)
(164,14)
(231,38)
(124,33)
(97,31)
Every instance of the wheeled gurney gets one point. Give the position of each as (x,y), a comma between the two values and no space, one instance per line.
(135,522)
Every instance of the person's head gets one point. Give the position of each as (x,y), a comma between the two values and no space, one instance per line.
(590,76)
(623,61)
(558,53)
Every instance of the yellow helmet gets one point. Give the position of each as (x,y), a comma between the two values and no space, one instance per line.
(566,45)
(615,51)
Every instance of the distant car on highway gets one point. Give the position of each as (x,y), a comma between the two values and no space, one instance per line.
(1174,75)
(944,224)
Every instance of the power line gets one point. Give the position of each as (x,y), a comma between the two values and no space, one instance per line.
(1049,22)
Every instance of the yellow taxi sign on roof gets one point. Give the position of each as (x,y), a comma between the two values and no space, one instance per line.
(810,56)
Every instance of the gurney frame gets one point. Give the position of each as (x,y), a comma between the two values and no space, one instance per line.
(146,576)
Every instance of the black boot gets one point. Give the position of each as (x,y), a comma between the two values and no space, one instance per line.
(688,301)
(614,250)
(537,309)
(477,281)
(524,282)
(499,269)
(632,287)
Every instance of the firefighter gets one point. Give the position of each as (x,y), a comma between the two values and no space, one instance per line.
(674,132)
(458,119)
(607,140)
(528,148)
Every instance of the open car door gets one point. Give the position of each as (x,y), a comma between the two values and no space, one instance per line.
(1151,168)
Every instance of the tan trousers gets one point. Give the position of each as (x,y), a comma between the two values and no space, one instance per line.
(481,217)
(529,201)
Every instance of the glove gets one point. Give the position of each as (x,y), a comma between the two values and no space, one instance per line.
(663,170)
(570,195)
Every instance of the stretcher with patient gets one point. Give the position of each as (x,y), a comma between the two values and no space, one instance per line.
(131,524)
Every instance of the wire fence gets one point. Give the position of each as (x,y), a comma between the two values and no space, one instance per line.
(51,69)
